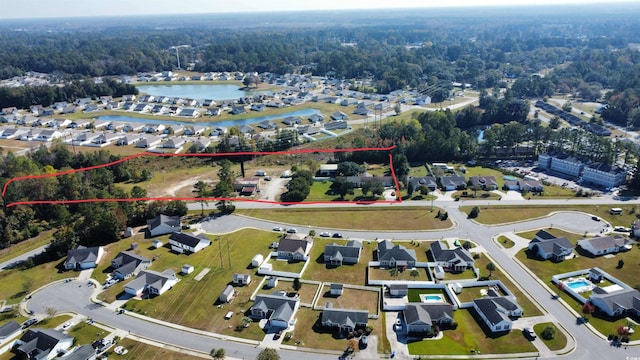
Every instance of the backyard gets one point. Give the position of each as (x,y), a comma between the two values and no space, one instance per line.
(351,298)
(355,274)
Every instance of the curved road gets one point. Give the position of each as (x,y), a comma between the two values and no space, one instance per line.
(74,296)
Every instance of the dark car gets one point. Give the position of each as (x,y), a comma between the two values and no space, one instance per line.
(29,322)
(337,235)
(277,335)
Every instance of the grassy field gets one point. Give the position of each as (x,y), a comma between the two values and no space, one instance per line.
(500,214)
(557,343)
(16,283)
(406,218)
(137,350)
(546,269)
(194,303)
(352,299)
(84,333)
(347,274)
(573,237)
(471,335)
(306,292)
(20,248)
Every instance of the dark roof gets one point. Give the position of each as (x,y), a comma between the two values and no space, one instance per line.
(605,242)
(350,249)
(491,308)
(173,221)
(387,251)
(126,262)
(624,299)
(292,245)
(188,239)
(38,343)
(84,352)
(554,246)
(544,235)
(427,313)
(9,328)
(82,254)
(282,306)
(441,253)
(344,317)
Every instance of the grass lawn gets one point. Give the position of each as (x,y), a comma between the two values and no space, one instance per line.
(25,246)
(50,323)
(479,195)
(283,265)
(573,237)
(385,274)
(546,269)
(16,283)
(405,218)
(319,191)
(348,274)
(528,307)
(306,292)
(194,303)
(84,333)
(470,335)
(558,342)
(505,242)
(138,350)
(352,299)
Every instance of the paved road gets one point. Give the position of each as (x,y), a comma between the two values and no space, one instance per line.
(20,258)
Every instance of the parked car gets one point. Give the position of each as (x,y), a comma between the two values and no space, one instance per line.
(337,235)
(29,322)
(595,218)
(325,234)
(277,228)
(66,325)
(364,341)
(277,335)
(292,230)
(529,333)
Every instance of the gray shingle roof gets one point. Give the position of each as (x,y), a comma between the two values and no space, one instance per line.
(491,308)
(388,251)
(427,313)
(441,252)
(82,254)
(344,317)
(173,221)
(189,239)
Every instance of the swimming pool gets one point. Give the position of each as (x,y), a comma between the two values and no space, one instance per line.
(579,285)
(431,298)
(509,177)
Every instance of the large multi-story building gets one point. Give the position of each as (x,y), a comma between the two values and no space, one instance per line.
(604,175)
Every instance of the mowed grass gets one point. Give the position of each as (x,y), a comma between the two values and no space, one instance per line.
(84,333)
(501,214)
(307,290)
(546,269)
(194,303)
(558,342)
(355,274)
(471,335)
(138,350)
(351,299)
(405,218)
(22,247)
(505,242)
(573,237)
(16,283)
(319,193)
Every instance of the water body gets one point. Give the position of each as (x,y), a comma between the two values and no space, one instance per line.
(303,113)
(197,91)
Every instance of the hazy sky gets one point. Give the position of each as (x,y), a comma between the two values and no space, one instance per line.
(67,8)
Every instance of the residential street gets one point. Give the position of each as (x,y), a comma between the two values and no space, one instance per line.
(74,296)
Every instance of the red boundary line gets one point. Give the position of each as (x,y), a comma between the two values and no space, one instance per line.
(105,200)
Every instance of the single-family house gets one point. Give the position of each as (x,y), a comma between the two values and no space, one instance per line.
(602,245)
(456,259)
(160,109)
(149,142)
(258,107)
(187,242)
(428,181)
(127,264)
(82,257)
(43,344)
(497,312)
(133,127)
(130,97)
(48,135)
(485,183)
(277,309)
(349,253)
(163,224)
(548,246)
(241,279)
(246,186)
(194,130)
(190,112)
(215,111)
(421,317)
(9,110)
(153,128)
(314,118)
(362,109)
(200,144)
(236,110)
(174,143)
(291,121)
(453,182)
(328,170)
(616,303)
(154,282)
(227,294)
(294,247)
(246,129)
(390,255)
(13,133)
(358,180)
(344,320)
(84,352)
(141,107)
(530,185)
(339,115)
(267,125)
(336,125)
(129,139)
(336,289)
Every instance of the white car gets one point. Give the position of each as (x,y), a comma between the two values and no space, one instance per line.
(277,228)
(325,234)
(529,333)
(66,325)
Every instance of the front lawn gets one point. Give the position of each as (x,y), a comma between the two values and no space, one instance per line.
(84,333)
(558,342)
(355,274)
(16,283)
(139,350)
(470,335)
(375,218)
(420,274)
(573,237)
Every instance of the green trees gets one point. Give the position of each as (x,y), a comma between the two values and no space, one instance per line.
(491,267)
(298,187)
(341,186)
(224,187)
(549,332)
(268,354)
(202,192)
(218,354)
(474,212)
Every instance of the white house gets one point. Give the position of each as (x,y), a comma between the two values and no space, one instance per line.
(43,344)
(185,242)
(154,282)
(83,258)
(163,224)
(496,312)
(602,245)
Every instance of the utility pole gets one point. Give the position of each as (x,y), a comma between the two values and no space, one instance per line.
(220,251)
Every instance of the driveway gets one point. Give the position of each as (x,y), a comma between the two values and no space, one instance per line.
(274,188)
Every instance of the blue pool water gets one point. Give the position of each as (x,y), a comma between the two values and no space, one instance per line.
(577,284)
(431,298)
(509,177)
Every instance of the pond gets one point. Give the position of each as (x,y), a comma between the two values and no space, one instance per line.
(197,91)
(303,113)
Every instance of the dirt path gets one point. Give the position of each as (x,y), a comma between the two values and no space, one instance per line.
(274,188)
(172,189)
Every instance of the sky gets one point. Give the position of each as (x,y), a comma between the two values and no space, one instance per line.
(72,8)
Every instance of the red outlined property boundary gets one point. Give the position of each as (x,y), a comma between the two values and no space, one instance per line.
(151,154)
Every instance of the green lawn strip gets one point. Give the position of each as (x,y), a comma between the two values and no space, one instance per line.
(52,322)
(194,303)
(528,307)
(27,245)
(500,214)
(573,237)
(405,218)
(84,333)
(479,195)
(283,265)
(319,191)
(546,269)
(471,335)
(558,342)
(505,242)
(138,350)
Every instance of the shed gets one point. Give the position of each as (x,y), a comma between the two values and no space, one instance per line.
(156,244)
(187,269)
(336,289)
(227,294)
(272,281)
(128,232)
(257,260)
(438,272)
(456,287)
(265,267)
